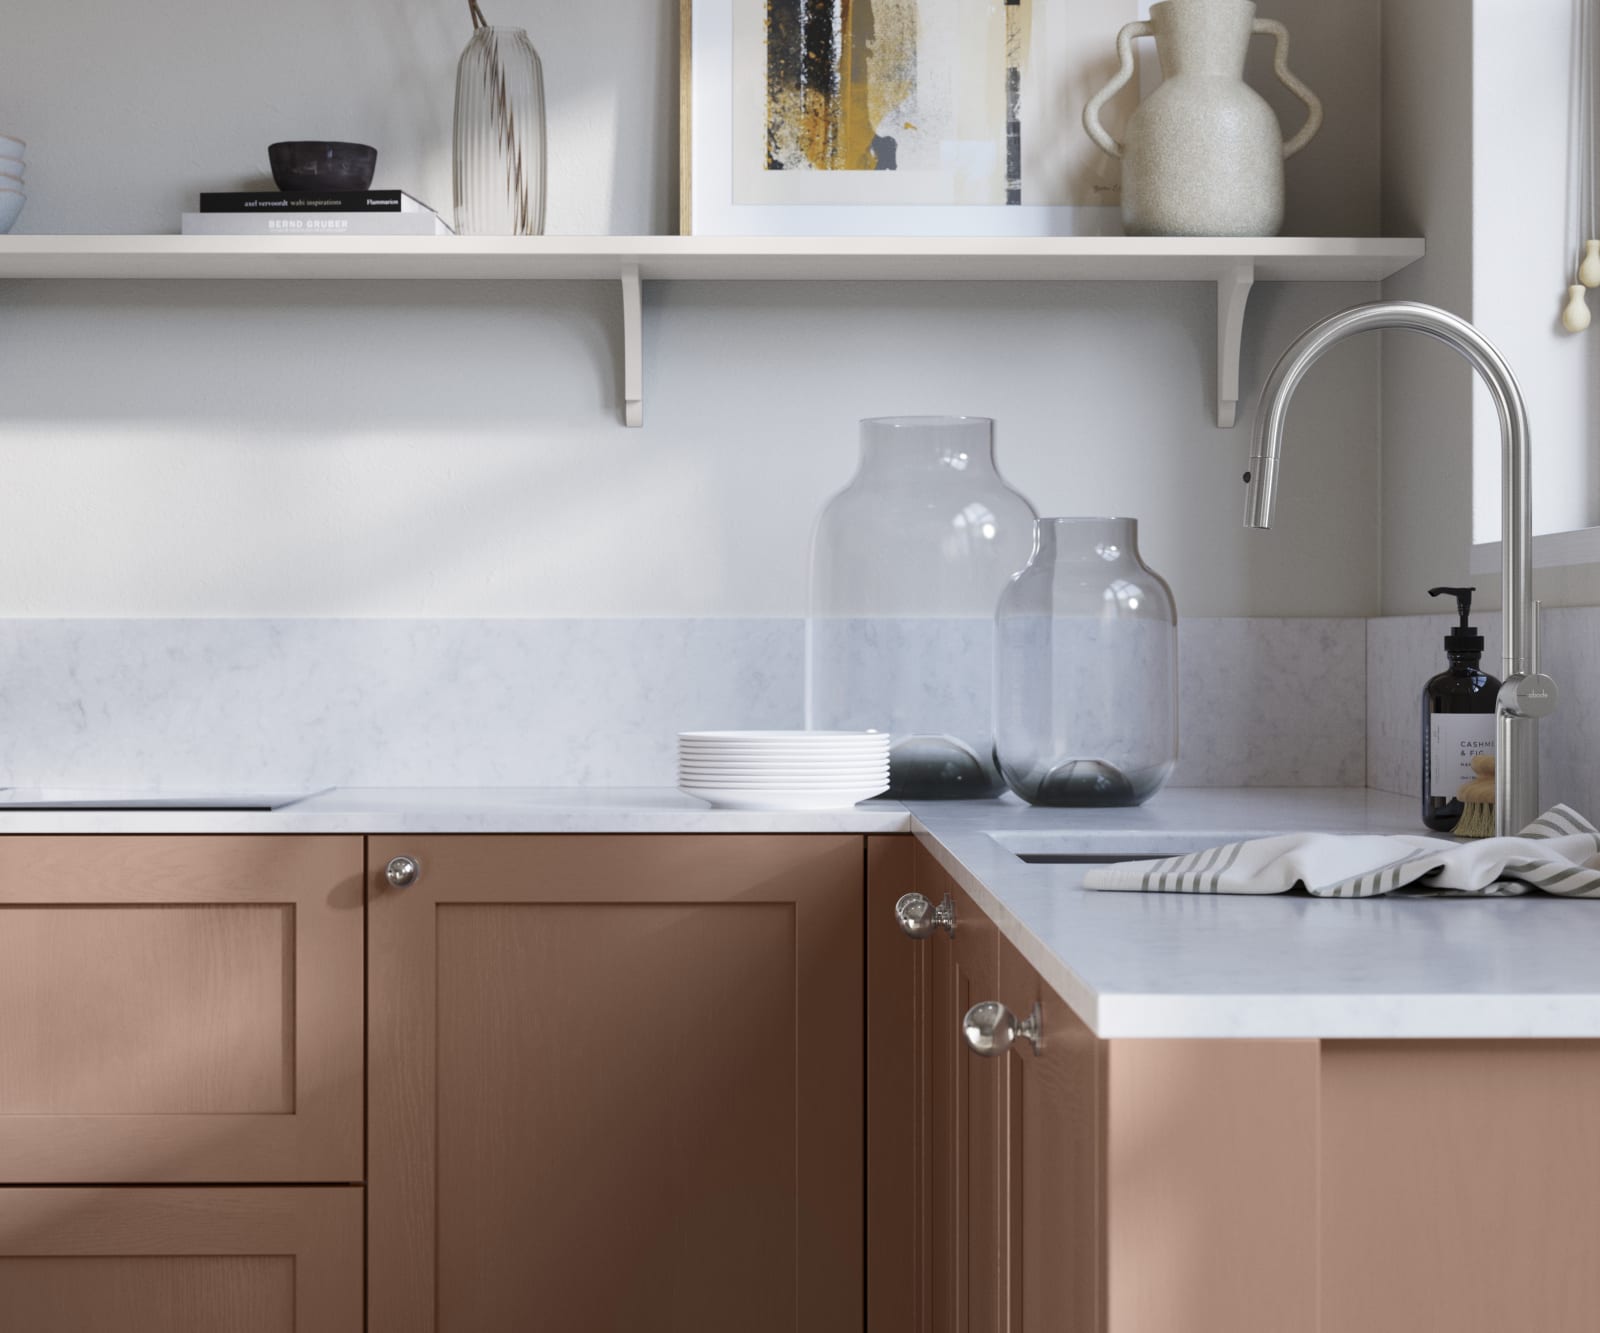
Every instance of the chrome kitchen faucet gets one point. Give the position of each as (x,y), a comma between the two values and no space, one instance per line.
(1527,694)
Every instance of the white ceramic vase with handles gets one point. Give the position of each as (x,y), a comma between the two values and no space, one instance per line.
(1204,153)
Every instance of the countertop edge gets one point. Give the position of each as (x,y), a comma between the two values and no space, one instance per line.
(1495,978)
(1057,973)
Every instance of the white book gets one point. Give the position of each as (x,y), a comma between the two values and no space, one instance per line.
(315,224)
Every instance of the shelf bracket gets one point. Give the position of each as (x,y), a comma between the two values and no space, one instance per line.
(1233,294)
(632,347)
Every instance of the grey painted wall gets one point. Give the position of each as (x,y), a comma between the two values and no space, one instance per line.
(453,450)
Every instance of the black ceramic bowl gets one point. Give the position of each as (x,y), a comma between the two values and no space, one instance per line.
(312,164)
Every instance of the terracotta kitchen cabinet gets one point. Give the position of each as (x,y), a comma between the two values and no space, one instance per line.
(217,1259)
(900,1103)
(616,1083)
(180,1009)
(1077,1187)
(935,1124)
(1144,1185)
(1052,1110)
(974,1235)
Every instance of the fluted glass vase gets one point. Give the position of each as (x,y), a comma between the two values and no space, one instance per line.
(499,139)
(1086,669)
(907,563)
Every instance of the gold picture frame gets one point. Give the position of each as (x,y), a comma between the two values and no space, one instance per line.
(732,183)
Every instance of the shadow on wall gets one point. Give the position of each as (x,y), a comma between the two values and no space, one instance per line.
(313,358)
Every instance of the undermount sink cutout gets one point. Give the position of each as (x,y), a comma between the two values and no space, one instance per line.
(1061,847)
(1086,858)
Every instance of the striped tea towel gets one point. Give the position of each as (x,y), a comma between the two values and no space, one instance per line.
(1557,853)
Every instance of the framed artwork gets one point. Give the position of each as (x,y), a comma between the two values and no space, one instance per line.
(897,117)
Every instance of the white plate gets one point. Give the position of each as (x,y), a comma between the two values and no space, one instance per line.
(826,743)
(787,751)
(762,784)
(872,770)
(787,765)
(736,799)
(796,735)
(728,778)
(721,777)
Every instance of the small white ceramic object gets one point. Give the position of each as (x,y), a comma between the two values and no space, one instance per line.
(737,798)
(1575,316)
(1204,153)
(11,146)
(11,202)
(8,181)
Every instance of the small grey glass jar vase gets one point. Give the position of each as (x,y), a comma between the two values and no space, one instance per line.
(1086,669)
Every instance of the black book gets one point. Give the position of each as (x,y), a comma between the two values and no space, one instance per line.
(329,201)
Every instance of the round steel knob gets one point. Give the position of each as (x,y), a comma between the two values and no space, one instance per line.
(402,872)
(919,918)
(1529,696)
(992,1029)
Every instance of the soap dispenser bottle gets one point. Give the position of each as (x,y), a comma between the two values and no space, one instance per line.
(1458,718)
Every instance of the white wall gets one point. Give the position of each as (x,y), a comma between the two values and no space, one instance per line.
(1526,241)
(1427,389)
(453,450)
(1475,158)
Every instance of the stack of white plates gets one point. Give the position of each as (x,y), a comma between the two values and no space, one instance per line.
(13,168)
(783,770)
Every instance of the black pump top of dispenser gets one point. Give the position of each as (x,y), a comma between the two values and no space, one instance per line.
(1464,638)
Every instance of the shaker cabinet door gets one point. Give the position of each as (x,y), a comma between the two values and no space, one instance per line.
(1053,1106)
(180,1009)
(616,1083)
(973,1209)
(210,1259)
(900,1108)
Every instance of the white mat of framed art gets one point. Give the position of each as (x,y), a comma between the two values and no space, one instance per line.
(1066,54)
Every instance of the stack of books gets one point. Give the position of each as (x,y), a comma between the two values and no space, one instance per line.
(335,213)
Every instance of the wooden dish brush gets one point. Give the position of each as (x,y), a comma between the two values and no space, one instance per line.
(1477,801)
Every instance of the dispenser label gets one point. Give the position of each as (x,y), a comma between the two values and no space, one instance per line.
(1456,738)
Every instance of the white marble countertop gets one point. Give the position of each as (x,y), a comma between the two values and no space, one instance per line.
(1184,965)
(1131,965)
(472,810)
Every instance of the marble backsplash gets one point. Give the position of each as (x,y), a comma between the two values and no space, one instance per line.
(1404,651)
(301,704)
(316,703)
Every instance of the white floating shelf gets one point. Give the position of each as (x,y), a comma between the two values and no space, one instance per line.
(1234,264)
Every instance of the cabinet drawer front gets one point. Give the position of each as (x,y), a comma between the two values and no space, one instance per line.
(180,1009)
(175,1260)
(617,1083)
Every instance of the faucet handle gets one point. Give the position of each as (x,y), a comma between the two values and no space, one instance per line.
(1528,694)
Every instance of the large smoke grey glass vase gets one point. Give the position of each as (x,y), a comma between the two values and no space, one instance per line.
(1086,669)
(499,140)
(907,564)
